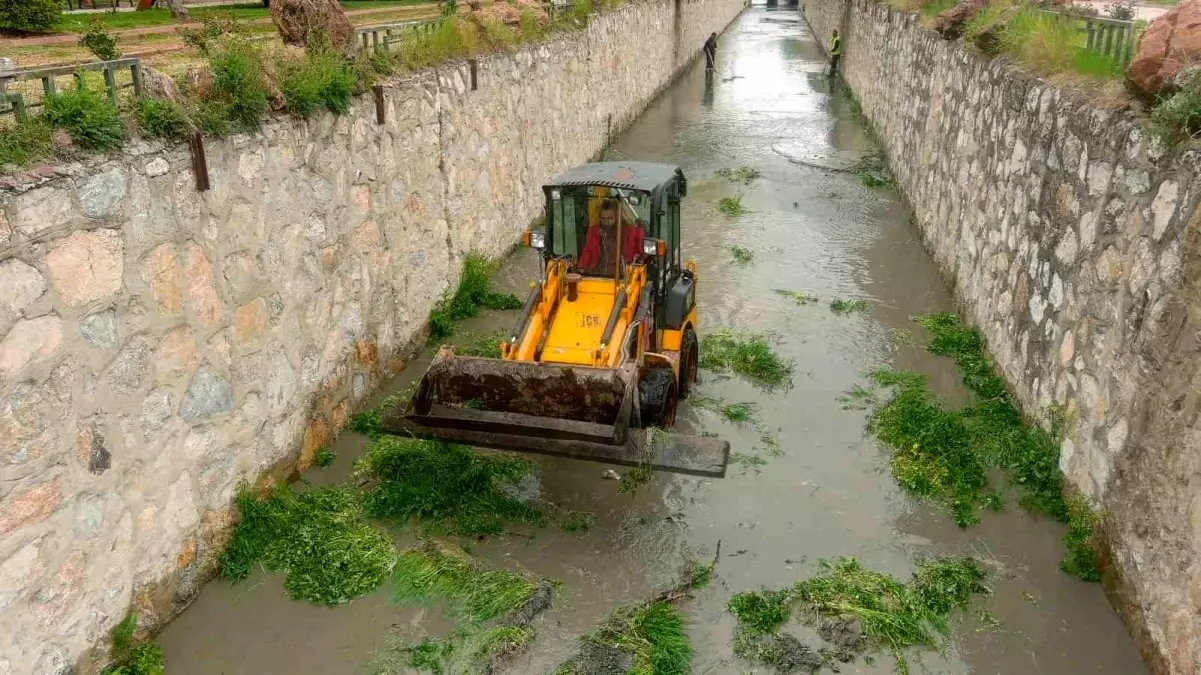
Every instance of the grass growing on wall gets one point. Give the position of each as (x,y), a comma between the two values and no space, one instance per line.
(474,291)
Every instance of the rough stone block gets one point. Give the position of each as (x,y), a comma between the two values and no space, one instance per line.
(87,266)
(208,394)
(29,343)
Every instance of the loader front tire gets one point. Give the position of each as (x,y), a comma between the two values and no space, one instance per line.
(689,359)
(658,395)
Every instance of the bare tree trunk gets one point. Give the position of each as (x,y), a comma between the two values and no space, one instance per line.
(178,11)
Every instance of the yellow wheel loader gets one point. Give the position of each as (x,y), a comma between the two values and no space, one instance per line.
(606,343)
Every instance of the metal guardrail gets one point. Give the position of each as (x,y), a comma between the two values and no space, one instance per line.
(15,103)
(1112,37)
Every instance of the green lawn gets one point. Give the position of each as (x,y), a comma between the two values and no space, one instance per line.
(78,23)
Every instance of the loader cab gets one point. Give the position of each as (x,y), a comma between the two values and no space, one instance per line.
(647,197)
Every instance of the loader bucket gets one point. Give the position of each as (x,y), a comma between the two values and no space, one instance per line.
(567,411)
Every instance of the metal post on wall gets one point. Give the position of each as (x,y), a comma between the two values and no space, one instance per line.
(200,165)
(377,91)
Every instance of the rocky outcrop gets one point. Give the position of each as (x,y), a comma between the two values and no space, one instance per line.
(302,22)
(949,23)
(156,84)
(1170,43)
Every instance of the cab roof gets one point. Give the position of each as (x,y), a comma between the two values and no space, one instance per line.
(643,176)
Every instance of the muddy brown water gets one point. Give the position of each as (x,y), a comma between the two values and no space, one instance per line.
(828,495)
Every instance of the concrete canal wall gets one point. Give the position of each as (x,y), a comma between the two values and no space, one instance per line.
(1072,241)
(158,345)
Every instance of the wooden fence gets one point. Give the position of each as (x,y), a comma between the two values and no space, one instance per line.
(15,102)
(1114,38)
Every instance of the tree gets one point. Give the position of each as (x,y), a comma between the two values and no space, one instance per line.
(178,11)
(31,16)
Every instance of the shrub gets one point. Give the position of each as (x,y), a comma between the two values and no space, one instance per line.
(204,38)
(321,79)
(100,42)
(161,118)
(30,16)
(239,83)
(1043,41)
(1179,116)
(1123,11)
(27,142)
(90,118)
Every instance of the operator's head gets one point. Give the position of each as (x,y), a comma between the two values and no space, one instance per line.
(608,213)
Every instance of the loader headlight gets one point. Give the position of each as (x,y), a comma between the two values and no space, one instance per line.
(537,240)
(650,246)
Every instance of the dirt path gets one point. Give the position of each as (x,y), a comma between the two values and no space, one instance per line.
(129,33)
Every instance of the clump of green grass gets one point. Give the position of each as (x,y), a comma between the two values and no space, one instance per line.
(130,657)
(944,454)
(637,476)
(653,634)
(1080,541)
(161,118)
(321,540)
(447,575)
(743,174)
(90,119)
(467,650)
(872,170)
(731,206)
(848,306)
(747,460)
(1042,40)
(741,255)
(239,94)
(891,614)
(738,413)
(484,345)
(27,142)
(447,488)
(577,521)
(474,291)
(321,79)
(325,457)
(744,353)
(368,421)
(799,297)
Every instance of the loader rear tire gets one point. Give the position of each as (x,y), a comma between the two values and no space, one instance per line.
(658,394)
(689,358)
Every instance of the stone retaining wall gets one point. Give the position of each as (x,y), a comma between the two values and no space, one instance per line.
(158,345)
(1071,239)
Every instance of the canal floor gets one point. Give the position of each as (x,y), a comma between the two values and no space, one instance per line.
(769,107)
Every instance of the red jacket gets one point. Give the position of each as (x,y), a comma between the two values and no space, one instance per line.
(631,245)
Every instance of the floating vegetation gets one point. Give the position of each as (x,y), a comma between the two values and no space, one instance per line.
(873,171)
(945,454)
(368,421)
(738,413)
(747,354)
(857,610)
(644,639)
(577,521)
(474,291)
(324,457)
(636,477)
(494,610)
(447,575)
(731,206)
(799,297)
(447,489)
(743,174)
(320,540)
(741,255)
(848,306)
(769,444)
(747,460)
(129,657)
(483,345)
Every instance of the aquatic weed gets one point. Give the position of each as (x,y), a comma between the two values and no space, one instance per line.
(799,297)
(484,345)
(128,656)
(731,206)
(873,171)
(747,460)
(447,488)
(741,255)
(743,174)
(748,354)
(443,574)
(577,521)
(891,614)
(636,477)
(474,291)
(848,306)
(320,540)
(368,421)
(653,634)
(324,457)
